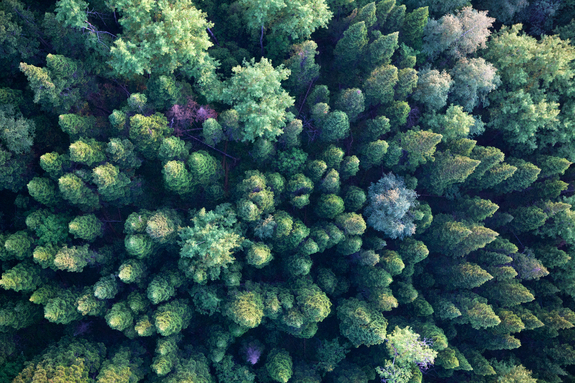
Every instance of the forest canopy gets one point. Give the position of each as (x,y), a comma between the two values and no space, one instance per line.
(284,191)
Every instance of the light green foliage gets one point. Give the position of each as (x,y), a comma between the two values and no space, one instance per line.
(69,360)
(212,132)
(349,167)
(329,206)
(208,245)
(246,309)
(159,38)
(380,50)
(279,365)
(172,317)
(291,161)
(290,136)
(331,353)
(18,245)
(16,132)
(106,287)
(77,126)
(163,286)
(131,271)
(351,102)
(473,80)
(351,46)
(163,92)
(302,66)
(54,164)
(25,276)
(360,323)
(87,151)
(88,304)
(139,245)
(330,183)
(297,19)
(59,86)
(113,184)
(432,88)
(255,92)
(259,255)
(62,308)
(74,258)
(407,82)
(119,317)
(299,188)
(413,26)
(379,86)
(125,366)
(86,227)
(454,124)
(458,238)
(351,223)
(121,152)
(147,133)
(163,225)
(174,148)
(407,353)
(391,207)
(73,189)
(50,228)
(448,169)
(420,147)
(204,168)
(457,34)
(372,153)
(255,197)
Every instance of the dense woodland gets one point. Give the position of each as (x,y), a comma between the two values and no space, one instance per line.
(310,191)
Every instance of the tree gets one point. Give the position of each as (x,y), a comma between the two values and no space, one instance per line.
(407,352)
(67,360)
(334,126)
(59,86)
(296,19)
(172,317)
(351,102)
(350,47)
(379,86)
(87,227)
(448,169)
(457,34)
(246,309)
(160,38)
(208,245)
(473,80)
(391,207)
(148,132)
(255,92)
(413,26)
(302,66)
(360,323)
(17,133)
(432,88)
(279,365)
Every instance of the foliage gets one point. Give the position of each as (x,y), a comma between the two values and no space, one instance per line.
(255,93)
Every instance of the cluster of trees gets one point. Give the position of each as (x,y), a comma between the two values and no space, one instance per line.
(272,191)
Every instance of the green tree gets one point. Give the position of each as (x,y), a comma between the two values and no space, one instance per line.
(208,245)
(86,227)
(432,88)
(160,38)
(255,92)
(413,26)
(457,34)
(60,86)
(391,207)
(360,323)
(279,365)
